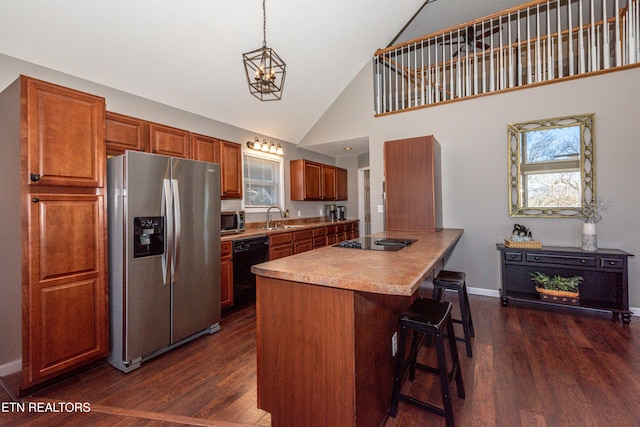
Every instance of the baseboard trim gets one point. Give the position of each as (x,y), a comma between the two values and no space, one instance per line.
(10,367)
(496,294)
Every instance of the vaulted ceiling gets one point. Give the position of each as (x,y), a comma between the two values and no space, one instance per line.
(188,54)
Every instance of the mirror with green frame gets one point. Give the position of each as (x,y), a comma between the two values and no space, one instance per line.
(551,166)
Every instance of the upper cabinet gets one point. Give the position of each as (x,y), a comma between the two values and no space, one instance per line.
(230,170)
(329,184)
(64,125)
(130,133)
(205,148)
(169,141)
(341,184)
(317,181)
(126,133)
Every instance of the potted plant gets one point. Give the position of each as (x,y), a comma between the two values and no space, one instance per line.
(558,289)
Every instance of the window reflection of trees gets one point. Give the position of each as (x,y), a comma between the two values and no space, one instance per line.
(551,168)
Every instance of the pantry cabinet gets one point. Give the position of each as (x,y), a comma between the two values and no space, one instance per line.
(413,184)
(54,246)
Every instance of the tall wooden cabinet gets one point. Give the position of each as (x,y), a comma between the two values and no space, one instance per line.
(61,226)
(413,186)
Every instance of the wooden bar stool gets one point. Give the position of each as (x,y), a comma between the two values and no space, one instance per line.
(455,281)
(427,317)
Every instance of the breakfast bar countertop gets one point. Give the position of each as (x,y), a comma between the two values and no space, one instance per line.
(382,272)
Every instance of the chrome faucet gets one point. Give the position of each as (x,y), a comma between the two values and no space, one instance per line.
(282,214)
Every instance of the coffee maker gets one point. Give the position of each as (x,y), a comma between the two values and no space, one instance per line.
(331,213)
(342,213)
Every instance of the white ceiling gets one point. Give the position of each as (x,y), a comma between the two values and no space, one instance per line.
(188,54)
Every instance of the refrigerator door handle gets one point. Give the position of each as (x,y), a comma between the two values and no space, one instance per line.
(167,212)
(178,229)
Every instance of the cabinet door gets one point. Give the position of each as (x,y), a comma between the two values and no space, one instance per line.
(126,133)
(226,272)
(230,170)
(169,141)
(205,148)
(413,186)
(66,306)
(342,184)
(65,135)
(312,181)
(329,184)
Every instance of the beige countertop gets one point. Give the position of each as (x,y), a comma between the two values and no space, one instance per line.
(383,272)
(253,231)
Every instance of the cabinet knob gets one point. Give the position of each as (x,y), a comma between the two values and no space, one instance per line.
(537,258)
(35,200)
(513,257)
(583,261)
(154,150)
(612,263)
(35,177)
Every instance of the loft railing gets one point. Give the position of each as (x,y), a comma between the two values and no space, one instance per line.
(538,42)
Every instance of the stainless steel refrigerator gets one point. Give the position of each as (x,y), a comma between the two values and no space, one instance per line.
(164,254)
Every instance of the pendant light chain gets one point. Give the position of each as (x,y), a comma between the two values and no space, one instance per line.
(264,23)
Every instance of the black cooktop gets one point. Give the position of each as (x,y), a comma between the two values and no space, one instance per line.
(376,243)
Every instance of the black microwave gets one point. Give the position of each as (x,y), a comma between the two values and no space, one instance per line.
(231,222)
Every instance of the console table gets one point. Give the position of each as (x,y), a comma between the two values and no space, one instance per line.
(605,273)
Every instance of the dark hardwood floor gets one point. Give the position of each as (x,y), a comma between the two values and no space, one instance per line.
(531,366)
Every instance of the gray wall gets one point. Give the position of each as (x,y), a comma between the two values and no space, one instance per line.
(473,136)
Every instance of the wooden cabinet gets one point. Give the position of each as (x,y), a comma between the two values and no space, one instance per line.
(306,180)
(59,264)
(226,272)
(280,245)
(317,181)
(230,170)
(319,237)
(342,184)
(125,133)
(605,284)
(302,241)
(205,148)
(67,297)
(413,184)
(169,141)
(332,237)
(130,133)
(329,184)
(65,134)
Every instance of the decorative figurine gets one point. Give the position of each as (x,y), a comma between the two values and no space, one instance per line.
(521,233)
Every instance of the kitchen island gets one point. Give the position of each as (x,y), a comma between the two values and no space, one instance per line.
(325,323)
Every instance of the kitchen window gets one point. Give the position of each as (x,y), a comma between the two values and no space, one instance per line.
(263,181)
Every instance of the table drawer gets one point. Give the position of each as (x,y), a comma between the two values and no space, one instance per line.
(513,256)
(539,258)
(616,263)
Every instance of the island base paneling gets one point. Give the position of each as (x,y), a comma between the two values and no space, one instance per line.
(324,354)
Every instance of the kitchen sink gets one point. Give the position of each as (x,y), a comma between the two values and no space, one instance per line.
(281,227)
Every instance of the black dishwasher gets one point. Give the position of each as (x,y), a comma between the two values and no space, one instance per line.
(247,252)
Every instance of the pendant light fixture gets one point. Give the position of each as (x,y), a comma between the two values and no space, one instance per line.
(264,68)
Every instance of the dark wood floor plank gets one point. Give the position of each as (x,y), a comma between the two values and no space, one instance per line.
(532,366)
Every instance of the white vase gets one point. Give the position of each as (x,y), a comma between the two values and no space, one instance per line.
(589,237)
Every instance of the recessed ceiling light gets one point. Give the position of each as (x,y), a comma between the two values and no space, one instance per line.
(347,148)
